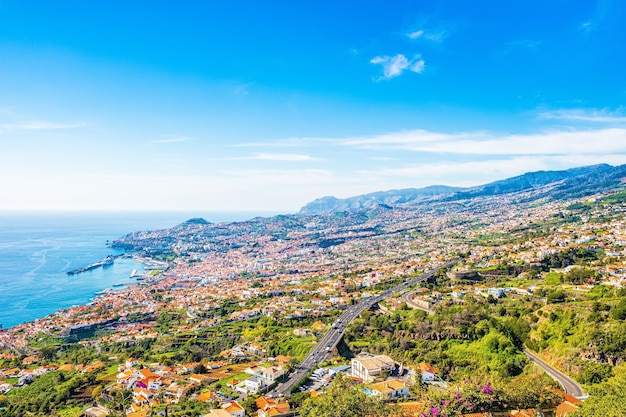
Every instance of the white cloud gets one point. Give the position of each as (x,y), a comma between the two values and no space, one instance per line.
(437,35)
(568,142)
(172,140)
(40,126)
(418,66)
(585,115)
(415,35)
(288,143)
(471,173)
(279,157)
(394,66)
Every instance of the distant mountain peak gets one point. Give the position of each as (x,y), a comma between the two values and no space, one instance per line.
(195,220)
(385,199)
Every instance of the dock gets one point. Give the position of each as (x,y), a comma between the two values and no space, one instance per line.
(104,262)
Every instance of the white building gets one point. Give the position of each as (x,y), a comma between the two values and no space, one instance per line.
(369,367)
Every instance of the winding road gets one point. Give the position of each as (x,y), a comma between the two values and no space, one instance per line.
(569,385)
(329,341)
(410,302)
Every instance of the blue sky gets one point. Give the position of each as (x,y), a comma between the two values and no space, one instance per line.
(264,106)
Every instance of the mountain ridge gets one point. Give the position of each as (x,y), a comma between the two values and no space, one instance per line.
(578,181)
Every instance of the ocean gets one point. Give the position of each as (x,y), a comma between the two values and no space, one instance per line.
(37,250)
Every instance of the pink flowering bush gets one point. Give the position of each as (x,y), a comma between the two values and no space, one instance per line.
(474,397)
(471,398)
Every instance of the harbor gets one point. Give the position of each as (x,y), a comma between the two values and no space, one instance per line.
(109,260)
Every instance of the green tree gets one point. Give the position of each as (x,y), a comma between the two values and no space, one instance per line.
(619,312)
(96,393)
(556,296)
(595,373)
(607,399)
(341,400)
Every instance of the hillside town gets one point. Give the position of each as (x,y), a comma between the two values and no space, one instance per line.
(301,272)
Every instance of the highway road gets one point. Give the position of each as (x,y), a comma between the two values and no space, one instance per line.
(324,347)
(569,385)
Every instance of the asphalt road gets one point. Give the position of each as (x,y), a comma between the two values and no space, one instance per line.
(330,340)
(408,298)
(569,385)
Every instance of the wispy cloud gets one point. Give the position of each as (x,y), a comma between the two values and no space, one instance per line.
(394,66)
(585,115)
(41,126)
(436,35)
(287,157)
(415,35)
(470,173)
(583,142)
(587,26)
(297,142)
(242,89)
(172,140)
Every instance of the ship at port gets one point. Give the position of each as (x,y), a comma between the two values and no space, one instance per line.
(109,260)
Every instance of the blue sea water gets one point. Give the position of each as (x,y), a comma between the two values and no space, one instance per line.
(37,250)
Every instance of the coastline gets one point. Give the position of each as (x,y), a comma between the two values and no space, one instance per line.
(97,281)
(63,321)
(38,249)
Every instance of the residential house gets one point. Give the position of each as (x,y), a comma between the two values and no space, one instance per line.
(254,384)
(234,409)
(298,331)
(392,388)
(566,409)
(205,396)
(496,292)
(217,413)
(126,379)
(93,366)
(253,370)
(199,379)
(272,373)
(29,360)
(267,407)
(256,348)
(10,373)
(282,359)
(569,406)
(458,294)
(368,367)
(318,326)
(66,367)
(427,372)
(175,392)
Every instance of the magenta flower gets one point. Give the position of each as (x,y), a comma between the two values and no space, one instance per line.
(487,389)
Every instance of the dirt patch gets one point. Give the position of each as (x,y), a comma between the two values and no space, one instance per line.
(229,370)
